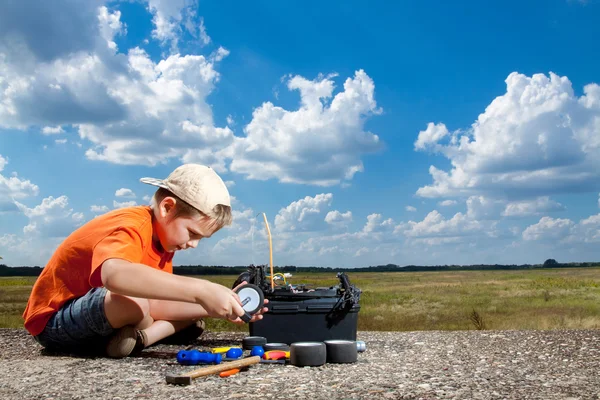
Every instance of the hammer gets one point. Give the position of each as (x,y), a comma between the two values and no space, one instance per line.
(186,379)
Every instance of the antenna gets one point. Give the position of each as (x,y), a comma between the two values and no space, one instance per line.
(270,250)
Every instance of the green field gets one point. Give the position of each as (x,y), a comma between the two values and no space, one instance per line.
(566,298)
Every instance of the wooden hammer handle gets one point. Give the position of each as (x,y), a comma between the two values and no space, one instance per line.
(223,367)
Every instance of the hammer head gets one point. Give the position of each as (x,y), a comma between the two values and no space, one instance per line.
(179,379)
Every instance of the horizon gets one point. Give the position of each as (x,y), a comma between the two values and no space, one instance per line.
(422,133)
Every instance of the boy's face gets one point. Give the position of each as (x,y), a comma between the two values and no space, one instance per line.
(180,233)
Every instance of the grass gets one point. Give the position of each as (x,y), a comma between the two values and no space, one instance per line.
(408,301)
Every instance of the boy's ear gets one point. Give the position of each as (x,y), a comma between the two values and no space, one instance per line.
(167,206)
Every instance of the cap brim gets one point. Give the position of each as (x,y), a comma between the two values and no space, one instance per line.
(154,182)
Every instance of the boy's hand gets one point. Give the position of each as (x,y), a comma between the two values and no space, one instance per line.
(258,315)
(221,302)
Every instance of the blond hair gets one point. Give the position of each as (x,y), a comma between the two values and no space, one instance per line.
(220,214)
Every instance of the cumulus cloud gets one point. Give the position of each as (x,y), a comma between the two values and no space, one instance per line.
(130,109)
(25,27)
(410,208)
(536,139)
(338,219)
(124,192)
(320,143)
(484,208)
(532,207)
(435,225)
(171,18)
(447,203)
(50,130)
(51,218)
(13,188)
(563,231)
(377,224)
(429,138)
(117,204)
(549,229)
(99,209)
(304,214)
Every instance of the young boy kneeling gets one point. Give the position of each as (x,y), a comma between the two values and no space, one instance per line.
(109,287)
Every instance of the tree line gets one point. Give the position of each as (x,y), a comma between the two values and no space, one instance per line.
(236,270)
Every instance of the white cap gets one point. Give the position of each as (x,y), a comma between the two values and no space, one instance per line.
(197,185)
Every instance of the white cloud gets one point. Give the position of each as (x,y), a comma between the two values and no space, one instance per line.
(588,230)
(338,219)
(304,214)
(429,138)
(25,26)
(435,225)
(12,188)
(110,25)
(99,209)
(447,203)
(124,192)
(376,224)
(123,204)
(49,130)
(484,208)
(229,184)
(549,229)
(541,205)
(204,38)
(8,240)
(60,141)
(536,139)
(321,143)
(410,208)
(230,121)
(147,198)
(131,109)
(598,196)
(172,17)
(51,218)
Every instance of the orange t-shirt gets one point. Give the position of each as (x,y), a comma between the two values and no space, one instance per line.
(74,268)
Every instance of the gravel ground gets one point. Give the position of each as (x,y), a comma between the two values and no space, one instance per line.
(396,365)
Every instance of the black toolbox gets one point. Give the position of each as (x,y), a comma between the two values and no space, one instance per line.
(300,314)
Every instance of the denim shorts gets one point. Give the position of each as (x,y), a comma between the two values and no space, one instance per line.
(80,326)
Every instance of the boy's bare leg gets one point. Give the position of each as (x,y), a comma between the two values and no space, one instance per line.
(170,317)
(124,310)
(161,329)
(176,310)
(157,318)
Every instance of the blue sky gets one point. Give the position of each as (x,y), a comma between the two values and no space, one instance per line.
(369,133)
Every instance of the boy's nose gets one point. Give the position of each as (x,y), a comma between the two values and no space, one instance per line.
(192,243)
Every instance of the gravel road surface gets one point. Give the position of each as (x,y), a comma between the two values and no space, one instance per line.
(396,365)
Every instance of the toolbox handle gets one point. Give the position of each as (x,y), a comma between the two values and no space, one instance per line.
(318,308)
(284,308)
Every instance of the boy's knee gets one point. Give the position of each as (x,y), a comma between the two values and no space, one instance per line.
(124,310)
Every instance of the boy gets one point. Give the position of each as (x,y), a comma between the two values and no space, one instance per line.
(109,286)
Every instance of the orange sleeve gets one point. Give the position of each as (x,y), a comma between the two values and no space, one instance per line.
(124,243)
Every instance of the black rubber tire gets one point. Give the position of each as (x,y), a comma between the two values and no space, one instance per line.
(341,351)
(276,346)
(308,354)
(250,341)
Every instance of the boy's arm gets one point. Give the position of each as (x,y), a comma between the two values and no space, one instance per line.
(138,280)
